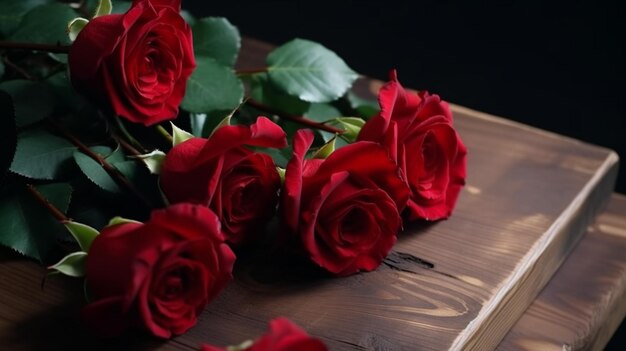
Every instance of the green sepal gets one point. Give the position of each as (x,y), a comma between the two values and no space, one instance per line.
(75,26)
(179,136)
(72,265)
(153,161)
(326,149)
(281,173)
(83,234)
(104,8)
(352,127)
(121,220)
(223,122)
(241,347)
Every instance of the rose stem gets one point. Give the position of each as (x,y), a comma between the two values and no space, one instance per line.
(126,146)
(112,171)
(127,135)
(17,68)
(57,49)
(55,212)
(164,133)
(252,71)
(293,118)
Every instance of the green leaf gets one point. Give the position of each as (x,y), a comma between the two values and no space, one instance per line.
(309,71)
(12,11)
(75,26)
(94,171)
(121,7)
(111,157)
(45,24)
(26,226)
(264,92)
(217,38)
(141,178)
(189,18)
(364,108)
(64,94)
(179,136)
(280,156)
(121,220)
(197,121)
(72,265)
(1,69)
(59,194)
(41,155)
(104,8)
(212,87)
(322,112)
(153,161)
(24,93)
(8,134)
(82,233)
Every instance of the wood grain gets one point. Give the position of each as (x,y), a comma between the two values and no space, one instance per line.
(456,284)
(585,301)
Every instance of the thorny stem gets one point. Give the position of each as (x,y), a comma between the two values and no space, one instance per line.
(57,48)
(298,119)
(112,171)
(17,69)
(127,135)
(55,212)
(126,146)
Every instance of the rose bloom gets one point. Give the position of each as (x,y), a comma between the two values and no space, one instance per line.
(283,335)
(137,63)
(156,276)
(220,172)
(344,211)
(418,132)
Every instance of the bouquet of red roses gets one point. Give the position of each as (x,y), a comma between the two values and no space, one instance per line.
(137,154)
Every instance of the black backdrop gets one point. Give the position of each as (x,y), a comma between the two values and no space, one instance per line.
(557,66)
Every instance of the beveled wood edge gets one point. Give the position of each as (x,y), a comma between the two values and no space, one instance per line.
(466,339)
(612,319)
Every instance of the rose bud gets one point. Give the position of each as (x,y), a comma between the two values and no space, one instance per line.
(282,335)
(418,132)
(344,211)
(135,63)
(220,172)
(157,275)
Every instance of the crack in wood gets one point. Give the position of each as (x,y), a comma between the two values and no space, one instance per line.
(405,262)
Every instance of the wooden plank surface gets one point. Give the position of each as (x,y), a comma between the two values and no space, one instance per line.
(456,284)
(585,301)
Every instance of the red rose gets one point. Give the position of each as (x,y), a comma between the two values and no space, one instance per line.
(345,210)
(159,275)
(241,186)
(417,130)
(283,335)
(137,63)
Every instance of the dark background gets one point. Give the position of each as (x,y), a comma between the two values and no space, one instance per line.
(560,67)
(557,66)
